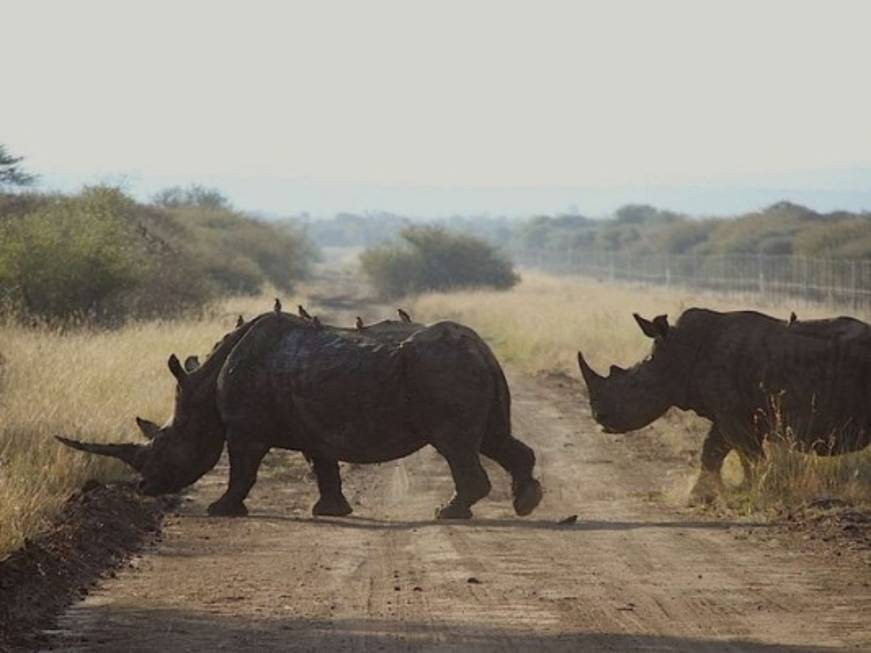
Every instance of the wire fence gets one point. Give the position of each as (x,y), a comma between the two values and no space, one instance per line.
(836,282)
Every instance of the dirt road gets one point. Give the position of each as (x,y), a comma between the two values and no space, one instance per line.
(630,575)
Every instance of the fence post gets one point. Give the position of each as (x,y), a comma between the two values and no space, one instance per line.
(667,271)
(853,289)
(761,275)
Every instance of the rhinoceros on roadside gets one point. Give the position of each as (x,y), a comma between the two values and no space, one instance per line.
(753,376)
(357,395)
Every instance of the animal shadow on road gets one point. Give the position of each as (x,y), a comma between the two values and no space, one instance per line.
(188,630)
(369,523)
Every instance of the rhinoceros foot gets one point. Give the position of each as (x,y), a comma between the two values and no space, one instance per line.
(453,510)
(222,508)
(528,497)
(332,507)
(706,489)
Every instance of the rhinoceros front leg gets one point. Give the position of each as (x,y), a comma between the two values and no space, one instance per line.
(331,502)
(245,458)
(470,480)
(714,452)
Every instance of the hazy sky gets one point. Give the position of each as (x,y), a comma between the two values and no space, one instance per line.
(442,94)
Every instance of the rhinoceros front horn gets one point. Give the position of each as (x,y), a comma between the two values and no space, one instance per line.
(591,378)
(132,454)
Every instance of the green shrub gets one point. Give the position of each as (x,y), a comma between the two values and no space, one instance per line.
(70,258)
(430,258)
(682,237)
(101,257)
(239,253)
(850,238)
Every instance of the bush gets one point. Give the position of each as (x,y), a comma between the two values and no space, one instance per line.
(682,237)
(101,257)
(430,258)
(850,238)
(69,258)
(239,253)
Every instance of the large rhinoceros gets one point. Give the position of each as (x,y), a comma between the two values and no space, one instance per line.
(357,395)
(753,376)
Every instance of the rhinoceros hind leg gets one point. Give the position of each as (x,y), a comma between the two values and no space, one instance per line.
(518,460)
(471,484)
(245,458)
(331,502)
(527,497)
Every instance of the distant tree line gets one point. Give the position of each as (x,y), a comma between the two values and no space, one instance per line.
(783,228)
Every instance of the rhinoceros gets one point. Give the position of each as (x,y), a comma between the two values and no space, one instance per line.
(753,376)
(357,395)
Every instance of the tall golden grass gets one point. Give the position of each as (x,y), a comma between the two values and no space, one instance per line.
(91,384)
(88,384)
(541,324)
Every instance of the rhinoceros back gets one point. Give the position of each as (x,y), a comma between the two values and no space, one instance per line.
(355,395)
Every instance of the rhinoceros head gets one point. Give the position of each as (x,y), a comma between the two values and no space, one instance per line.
(627,400)
(180,452)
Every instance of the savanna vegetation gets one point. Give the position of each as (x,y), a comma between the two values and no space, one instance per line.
(101,257)
(87,382)
(780,229)
(540,325)
(96,289)
(636,229)
(432,258)
(138,280)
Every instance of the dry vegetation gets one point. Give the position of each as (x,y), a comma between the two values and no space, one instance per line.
(540,325)
(89,384)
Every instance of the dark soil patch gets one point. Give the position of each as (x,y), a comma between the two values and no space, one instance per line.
(834,525)
(100,526)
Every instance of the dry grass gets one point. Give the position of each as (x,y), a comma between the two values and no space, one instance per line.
(92,384)
(87,384)
(540,325)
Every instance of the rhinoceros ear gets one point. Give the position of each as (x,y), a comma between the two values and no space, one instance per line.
(191,363)
(661,324)
(176,369)
(657,329)
(149,429)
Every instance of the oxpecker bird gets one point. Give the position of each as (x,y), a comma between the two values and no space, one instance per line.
(239,321)
(792,318)
(405,317)
(358,323)
(302,312)
(277,306)
(316,323)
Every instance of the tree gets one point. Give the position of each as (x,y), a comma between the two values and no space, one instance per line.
(432,258)
(10,173)
(194,196)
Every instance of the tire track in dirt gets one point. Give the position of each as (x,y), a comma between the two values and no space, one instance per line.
(631,574)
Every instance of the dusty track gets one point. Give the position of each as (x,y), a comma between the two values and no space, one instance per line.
(630,575)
